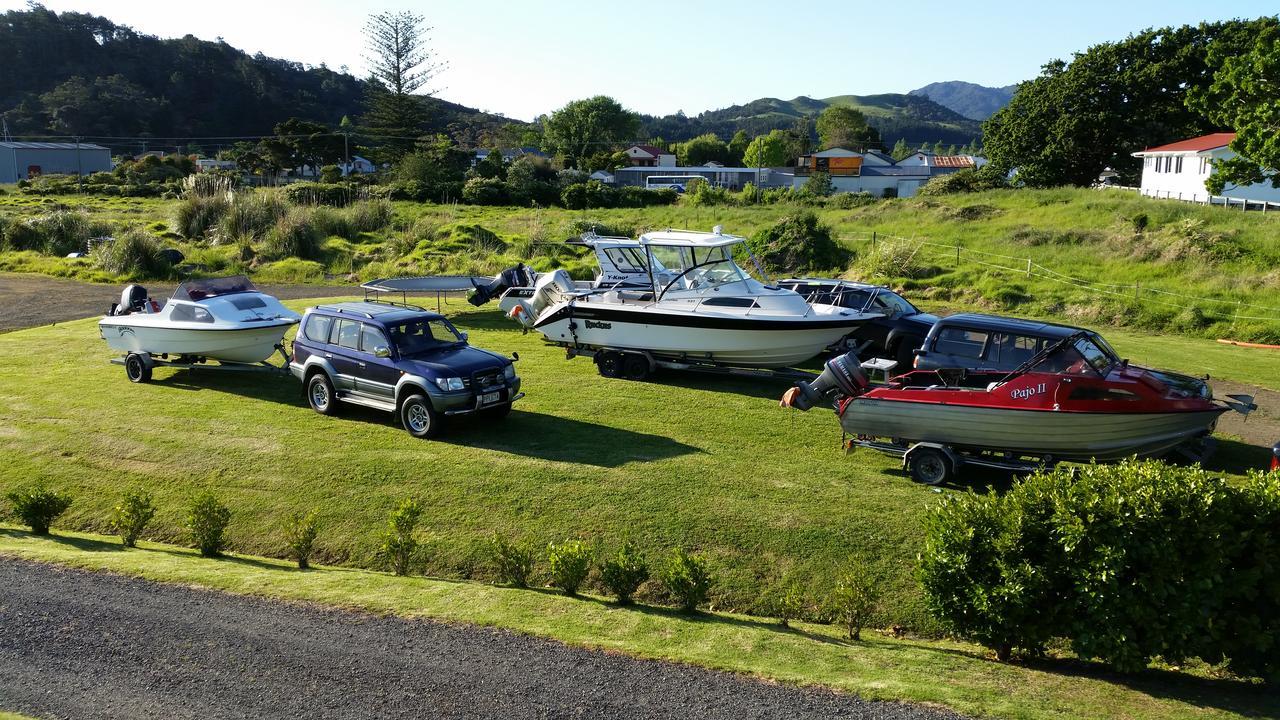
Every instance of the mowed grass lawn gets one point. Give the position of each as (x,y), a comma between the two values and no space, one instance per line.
(709,463)
(953,674)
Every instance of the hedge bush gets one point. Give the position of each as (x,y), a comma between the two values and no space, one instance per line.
(1127,562)
(207,520)
(799,244)
(134,253)
(130,517)
(687,579)
(400,538)
(38,507)
(569,563)
(625,572)
(512,559)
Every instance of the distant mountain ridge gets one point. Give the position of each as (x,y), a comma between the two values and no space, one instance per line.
(915,118)
(973,101)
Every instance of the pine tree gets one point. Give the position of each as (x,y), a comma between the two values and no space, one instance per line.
(400,65)
(900,149)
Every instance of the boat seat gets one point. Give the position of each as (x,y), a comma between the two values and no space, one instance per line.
(635,295)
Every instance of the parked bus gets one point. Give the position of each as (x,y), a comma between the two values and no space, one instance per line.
(679,183)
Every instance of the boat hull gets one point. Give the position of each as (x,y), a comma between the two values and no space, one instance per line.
(1064,435)
(237,345)
(740,341)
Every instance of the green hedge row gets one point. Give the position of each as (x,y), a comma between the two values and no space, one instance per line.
(1127,562)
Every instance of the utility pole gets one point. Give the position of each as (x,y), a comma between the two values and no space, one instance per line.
(79,168)
(346,154)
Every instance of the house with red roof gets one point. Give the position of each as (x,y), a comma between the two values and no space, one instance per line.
(649,156)
(1179,170)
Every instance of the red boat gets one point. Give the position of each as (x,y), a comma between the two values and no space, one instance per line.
(1076,400)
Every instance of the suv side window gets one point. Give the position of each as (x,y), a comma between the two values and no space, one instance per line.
(318,328)
(346,334)
(959,341)
(371,337)
(1013,350)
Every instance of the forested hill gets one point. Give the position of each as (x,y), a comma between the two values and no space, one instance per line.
(977,102)
(79,74)
(915,118)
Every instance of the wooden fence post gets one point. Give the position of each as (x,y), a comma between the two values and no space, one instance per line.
(873,241)
(1028,267)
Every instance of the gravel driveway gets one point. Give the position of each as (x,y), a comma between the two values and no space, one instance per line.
(77,644)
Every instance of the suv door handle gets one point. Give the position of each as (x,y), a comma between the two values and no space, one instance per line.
(329,355)
(360,364)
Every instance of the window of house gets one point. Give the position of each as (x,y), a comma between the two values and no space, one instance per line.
(1177,167)
(1204,166)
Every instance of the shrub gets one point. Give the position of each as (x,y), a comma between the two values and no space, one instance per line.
(400,538)
(330,174)
(569,562)
(294,235)
(251,215)
(799,243)
(895,258)
(369,215)
(134,253)
(512,560)
(131,515)
(485,191)
(965,181)
(62,232)
(38,507)
(625,572)
(207,520)
(310,193)
(854,599)
(195,215)
(687,579)
(1127,562)
(300,532)
(818,185)
(787,602)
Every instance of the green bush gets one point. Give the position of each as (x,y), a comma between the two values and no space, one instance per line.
(850,200)
(625,572)
(895,258)
(300,531)
(687,579)
(569,563)
(195,215)
(369,215)
(207,520)
(854,599)
(330,174)
(62,232)
(818,185)
(311,193)
(799,244)
(485,191)
(38,507)
(400,538)
(134,253)
(965,181)
(294,235)
(1127,562)
(131,515)
(787,601)
(512,560)
(251,215)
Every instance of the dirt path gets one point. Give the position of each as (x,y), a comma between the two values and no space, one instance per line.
(92,645)
(34,300)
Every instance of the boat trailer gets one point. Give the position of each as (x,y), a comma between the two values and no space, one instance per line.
(934,463)
(139,365)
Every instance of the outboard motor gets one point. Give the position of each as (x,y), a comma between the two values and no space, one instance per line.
(549,290)
(841,375)
(133,299)
(518,276)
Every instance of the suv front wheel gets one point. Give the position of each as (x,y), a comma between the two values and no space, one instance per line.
(419,418)
(320,394)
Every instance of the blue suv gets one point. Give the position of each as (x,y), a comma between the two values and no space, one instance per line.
(401,359)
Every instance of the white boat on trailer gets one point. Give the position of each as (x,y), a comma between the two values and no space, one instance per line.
(671,298)
(223,319)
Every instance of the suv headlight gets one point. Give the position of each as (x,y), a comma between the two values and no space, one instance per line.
(450,383)
(510,372)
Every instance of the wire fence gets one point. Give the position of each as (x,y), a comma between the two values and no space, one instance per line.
(1028,267)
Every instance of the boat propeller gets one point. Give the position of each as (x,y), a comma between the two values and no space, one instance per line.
(1242,404)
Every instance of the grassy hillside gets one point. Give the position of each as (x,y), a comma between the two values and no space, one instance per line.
(1089,249)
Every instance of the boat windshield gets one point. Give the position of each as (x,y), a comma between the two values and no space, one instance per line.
(418,336)
(1081,355)
(695,268)
(197,290)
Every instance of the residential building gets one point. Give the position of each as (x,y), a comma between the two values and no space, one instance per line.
(603,176)
(207,164)
(1179,171)
(25,160)
(649,156)
(509,155)
(733,178)
(836,162)
(877,173)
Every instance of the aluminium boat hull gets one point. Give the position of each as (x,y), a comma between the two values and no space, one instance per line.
(1081,436)
(761,341)
(143,334)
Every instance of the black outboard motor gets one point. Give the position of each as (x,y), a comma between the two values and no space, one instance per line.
(519,276)
(132,299)
(841,375)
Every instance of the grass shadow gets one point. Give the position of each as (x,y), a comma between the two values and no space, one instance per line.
(1237,458)
(549,437)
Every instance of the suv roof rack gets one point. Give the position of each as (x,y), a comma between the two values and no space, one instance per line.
(348,311)
(402,304)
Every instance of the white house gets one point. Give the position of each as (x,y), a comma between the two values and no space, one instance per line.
(1179,170)
(358,165)
(879,174)
(649,156)
(603,176)
(207,164)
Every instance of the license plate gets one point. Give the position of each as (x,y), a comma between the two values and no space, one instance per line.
(490,398)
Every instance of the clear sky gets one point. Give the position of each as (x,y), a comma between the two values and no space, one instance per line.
(522,59)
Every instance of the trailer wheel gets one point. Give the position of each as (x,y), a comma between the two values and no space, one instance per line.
(635,367)
(609,363)
(929,466)
(138,370)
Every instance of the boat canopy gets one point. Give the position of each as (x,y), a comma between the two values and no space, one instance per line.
(205,288)
(688,238)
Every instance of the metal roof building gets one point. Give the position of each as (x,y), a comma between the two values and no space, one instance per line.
(25,160)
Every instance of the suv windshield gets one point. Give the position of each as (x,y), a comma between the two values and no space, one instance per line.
(417,336)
